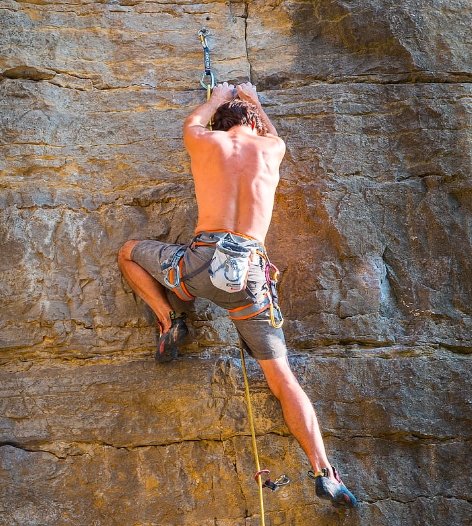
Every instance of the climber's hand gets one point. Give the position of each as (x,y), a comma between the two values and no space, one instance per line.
(247,91)
(223,93)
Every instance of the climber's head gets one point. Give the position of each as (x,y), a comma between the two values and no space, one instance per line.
(238,112)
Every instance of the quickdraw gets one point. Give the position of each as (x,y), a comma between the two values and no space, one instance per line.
(208,73)
(283,480)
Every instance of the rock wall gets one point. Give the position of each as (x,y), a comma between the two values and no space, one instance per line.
(372,231)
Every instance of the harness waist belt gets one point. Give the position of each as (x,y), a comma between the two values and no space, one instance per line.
(211,237)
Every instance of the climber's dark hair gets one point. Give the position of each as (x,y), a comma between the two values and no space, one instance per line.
(238,112)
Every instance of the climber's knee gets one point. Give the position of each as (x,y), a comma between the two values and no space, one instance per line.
(279,376)
(124,254)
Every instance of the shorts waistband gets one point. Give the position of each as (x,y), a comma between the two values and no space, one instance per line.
(213,236)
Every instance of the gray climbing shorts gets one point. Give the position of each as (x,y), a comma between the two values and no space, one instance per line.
(258,336)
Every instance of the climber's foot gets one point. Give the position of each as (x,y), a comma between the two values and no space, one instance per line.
(168,342)
(333,490)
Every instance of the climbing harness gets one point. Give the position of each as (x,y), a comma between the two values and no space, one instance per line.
(246,312)
(272,485)
(228,269)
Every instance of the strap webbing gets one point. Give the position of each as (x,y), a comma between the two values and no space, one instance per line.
(253,434)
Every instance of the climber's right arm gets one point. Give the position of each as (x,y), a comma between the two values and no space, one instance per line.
(195,125)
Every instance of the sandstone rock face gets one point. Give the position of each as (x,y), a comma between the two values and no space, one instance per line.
(371,232)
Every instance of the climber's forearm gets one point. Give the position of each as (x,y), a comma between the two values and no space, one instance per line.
(201,116)
(265,119)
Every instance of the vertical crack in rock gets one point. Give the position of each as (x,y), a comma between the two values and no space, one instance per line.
(240,9)
(246,16)
(388,300)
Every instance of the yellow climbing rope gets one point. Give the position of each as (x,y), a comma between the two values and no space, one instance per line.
(253,435)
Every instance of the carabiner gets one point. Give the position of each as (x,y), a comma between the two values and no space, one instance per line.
(203,34)
(211,85)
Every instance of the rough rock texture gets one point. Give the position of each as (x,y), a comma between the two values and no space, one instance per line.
(372,232)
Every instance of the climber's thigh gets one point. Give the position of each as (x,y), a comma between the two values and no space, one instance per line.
(260,339)
(150,254)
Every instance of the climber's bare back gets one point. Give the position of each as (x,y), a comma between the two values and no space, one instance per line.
(236,173)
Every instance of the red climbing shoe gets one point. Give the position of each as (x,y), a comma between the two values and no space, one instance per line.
(167,343)
(336,492)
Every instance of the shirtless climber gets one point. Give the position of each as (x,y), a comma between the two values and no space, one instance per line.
(236,171)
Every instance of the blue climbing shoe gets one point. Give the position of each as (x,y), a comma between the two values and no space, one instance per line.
(168,342)
(336,492)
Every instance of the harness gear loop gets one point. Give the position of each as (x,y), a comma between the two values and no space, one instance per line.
(276,317)
(173,275)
